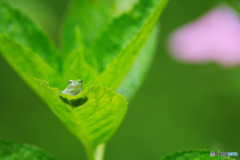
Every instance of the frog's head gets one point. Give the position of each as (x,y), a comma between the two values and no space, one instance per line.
(75,84)
(73,88)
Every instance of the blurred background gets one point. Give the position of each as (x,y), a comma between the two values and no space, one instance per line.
(179,106)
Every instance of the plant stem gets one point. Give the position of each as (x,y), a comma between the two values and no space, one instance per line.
(99,152)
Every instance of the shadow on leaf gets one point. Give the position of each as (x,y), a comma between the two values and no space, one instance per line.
(75,102)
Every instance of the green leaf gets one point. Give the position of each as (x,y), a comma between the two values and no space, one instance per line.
(127,33)
(144,18)
(18,151)
(75,65)
(113,36)
(195,155)
(92,116)
(26,63)
(90,16)
(24,32)
(84,22)
(140,67)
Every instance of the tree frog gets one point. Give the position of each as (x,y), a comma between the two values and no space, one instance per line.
(73,88)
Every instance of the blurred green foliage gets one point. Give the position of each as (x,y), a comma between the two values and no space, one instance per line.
(234,3)
(179,106)
(195,154)
(17,151)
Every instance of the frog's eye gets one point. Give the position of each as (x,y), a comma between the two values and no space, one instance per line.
(80,80)
(70,81)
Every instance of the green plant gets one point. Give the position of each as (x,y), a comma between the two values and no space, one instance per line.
(107,47)
(17,151)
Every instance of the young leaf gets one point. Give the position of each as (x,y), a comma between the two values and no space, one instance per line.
(195,154)
(75,65)
(120,66)
(18,151)
(112,39)
(93,115)
(24,32)
(127,33)
(90,16)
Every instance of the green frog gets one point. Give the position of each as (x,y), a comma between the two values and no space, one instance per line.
(73,88)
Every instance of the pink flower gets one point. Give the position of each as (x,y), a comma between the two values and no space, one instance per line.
(214,37)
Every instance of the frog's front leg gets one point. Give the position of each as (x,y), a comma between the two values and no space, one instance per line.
(63,92)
